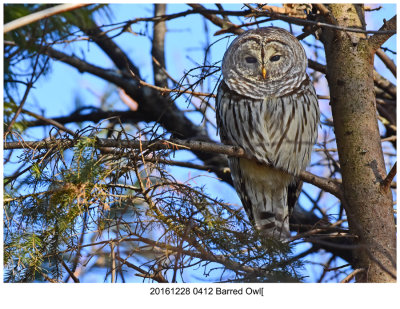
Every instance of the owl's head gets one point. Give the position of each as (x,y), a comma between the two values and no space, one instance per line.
(264,62)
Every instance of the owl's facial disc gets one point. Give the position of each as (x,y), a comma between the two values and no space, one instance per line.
(260,61)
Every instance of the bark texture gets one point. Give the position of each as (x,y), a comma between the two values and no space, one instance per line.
(157,50)
(350,59)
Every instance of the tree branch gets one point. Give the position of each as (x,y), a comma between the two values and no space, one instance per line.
(386,183)
(34,17)
(196,146)
(325,12)
(216,20)
(71,274)
(155,107)
(47,121)
(96,115)
(387,61)
(155,276)
(352,275)
(157,50)
(377,40)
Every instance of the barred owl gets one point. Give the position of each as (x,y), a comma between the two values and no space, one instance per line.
(267,105)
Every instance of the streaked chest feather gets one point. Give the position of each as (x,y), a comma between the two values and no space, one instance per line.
(280,131)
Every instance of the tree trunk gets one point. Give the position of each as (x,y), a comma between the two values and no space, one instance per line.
(369,207)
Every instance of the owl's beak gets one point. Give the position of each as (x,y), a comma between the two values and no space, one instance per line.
(264,72)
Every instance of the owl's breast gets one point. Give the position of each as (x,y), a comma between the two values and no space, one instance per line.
(240,123)
(276,130)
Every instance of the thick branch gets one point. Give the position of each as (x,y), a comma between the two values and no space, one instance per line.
(377,40)
(157,50)
(83,66)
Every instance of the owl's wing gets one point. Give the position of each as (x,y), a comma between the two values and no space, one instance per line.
(239,121)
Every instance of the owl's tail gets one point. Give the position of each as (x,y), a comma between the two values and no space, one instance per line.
(264,194)
(271,217)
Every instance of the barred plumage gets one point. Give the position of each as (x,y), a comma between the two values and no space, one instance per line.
(275,125)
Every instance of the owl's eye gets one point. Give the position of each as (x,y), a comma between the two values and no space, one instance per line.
(275,58)
(250,60)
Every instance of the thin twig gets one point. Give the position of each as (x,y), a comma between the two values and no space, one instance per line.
(252,13)
(167,90)
(211,14)
(72,275)
(34,77)
(112,256)
(51,122)
(336,268)
(18,111)
(156,277)
(355,272)
(381,32)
